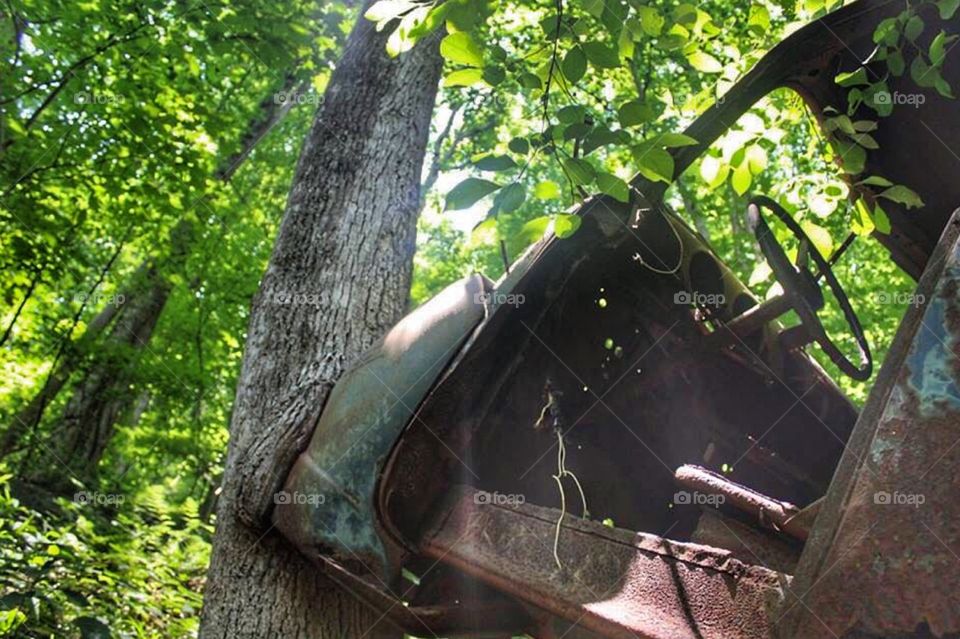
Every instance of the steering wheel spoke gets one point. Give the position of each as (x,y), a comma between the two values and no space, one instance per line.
(803,255)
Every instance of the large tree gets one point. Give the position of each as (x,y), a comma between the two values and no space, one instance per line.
(338,277)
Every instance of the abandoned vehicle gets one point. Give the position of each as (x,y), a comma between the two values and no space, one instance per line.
(683,468)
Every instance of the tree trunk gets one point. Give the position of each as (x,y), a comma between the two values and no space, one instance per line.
(339,277)
(80,438)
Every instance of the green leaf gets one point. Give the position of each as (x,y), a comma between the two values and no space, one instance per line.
(865,140)
(546,190)
(519,146)
(549,25)
(651,21)
(742,179)
(881,221)
(464,16)
(460,48)
(704,62)
(404,37)
(938,48)
(852,156)
(654,163)
(574,65)
(572,113)
(862,224)
(432,21)
(580,171)
(593,7)
(671,140)
(876,180)
(759,19)
(601,136)
(635,112)
(468,193)
(896,63)
(841,122)
(575,130)
(534,229)
(613,186)
(510,198)
(947,8)
(625,44)
(463,78)
(756,158)
(852,78)
(903,195)
(913,28)
(601,56)
(713,171)
(922,73)
(566,225)
(886,32)
(492,162)
(943,88)
(386,10)
(613,17)
(819,236)
(494,75)
(529,81)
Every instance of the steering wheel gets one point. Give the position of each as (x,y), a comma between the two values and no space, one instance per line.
(801,292)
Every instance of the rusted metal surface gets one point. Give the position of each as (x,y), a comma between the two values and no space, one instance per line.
(747,543)
(884,556)
(327,501)
(614,582)
(766,511)
(463,609)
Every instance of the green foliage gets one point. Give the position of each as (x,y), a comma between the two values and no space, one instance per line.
(117,121)
(92,570)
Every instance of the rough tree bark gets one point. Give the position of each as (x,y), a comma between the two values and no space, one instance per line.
(339,276)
